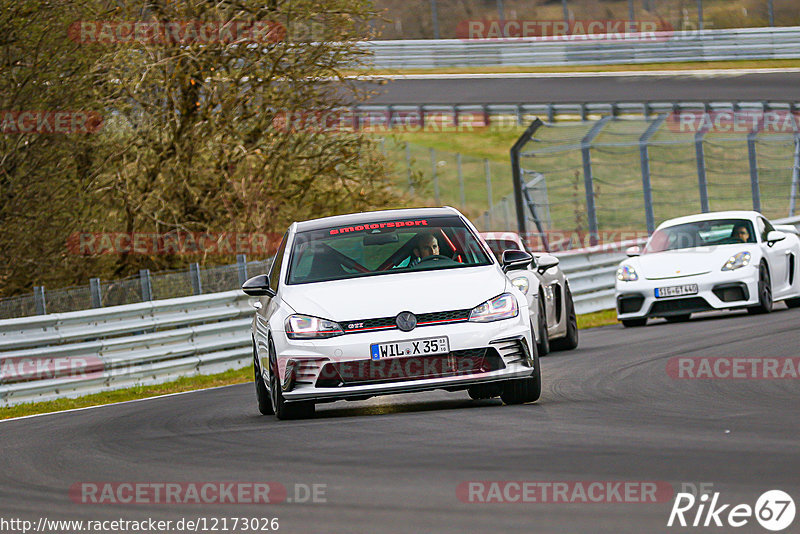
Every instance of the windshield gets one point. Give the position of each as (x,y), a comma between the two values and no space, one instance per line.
(383,247)
(701,234)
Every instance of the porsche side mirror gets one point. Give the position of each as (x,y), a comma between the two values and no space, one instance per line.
(633,251)
(258,286)
(775,236)
(515,260)
(545,262)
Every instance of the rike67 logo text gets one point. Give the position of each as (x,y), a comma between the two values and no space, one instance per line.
(774,510)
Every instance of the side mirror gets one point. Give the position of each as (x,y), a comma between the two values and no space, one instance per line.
(775,236)
(515,260)
(258,286)
(633,251)
(545,262)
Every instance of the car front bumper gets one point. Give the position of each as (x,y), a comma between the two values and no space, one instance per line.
(507,345)
(716,291)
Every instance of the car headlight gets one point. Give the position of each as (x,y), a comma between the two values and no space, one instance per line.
(737,261)
(306,327)
(626,273)
(521,283)
(502,307)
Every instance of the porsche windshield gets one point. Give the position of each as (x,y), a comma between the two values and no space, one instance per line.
(383,247)
(701,234)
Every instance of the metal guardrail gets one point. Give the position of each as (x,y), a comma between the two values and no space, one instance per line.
(591,272)
(703,45)
(78,353)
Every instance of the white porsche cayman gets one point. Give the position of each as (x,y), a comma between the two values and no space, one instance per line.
(711,261)
(389,302)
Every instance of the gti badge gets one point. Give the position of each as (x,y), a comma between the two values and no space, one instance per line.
(406,321)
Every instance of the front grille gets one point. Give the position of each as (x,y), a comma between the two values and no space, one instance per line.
(386,323)
(629,303)
(731,292)
(364,372)
(679,306)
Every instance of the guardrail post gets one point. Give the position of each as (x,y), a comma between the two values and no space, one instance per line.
(94,290)
(38,300)
(647,188)
(701,170)
(488,173)
(584,112)
(755,190)
(551,113)
(435,177)
(194,275)
(144,282)
(455,116)
(519,114)
(588,181)
(421,111)
(460,179)
(241,267)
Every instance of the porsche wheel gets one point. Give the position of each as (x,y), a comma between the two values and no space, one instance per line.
(764,292)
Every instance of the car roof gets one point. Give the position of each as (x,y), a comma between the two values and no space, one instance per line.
(710,216)
(374,216)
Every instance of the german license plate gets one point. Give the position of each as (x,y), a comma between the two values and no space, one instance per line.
(676,291)
(413,347)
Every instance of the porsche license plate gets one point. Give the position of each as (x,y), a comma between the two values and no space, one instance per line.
(413,347)
(676,291)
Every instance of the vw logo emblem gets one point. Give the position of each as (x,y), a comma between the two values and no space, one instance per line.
(406,321)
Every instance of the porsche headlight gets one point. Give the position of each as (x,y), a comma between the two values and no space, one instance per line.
(521,283)
(737,261)
(626,273)
(502,307)
(306,327)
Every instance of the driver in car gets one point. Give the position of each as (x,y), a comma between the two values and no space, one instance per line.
(426,245)
(741,233)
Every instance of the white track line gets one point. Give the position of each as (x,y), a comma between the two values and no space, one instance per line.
(598,74)
(115,403)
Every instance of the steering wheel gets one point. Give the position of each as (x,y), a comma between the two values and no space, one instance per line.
(433,257)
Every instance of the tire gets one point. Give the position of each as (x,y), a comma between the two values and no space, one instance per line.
(543,345)
(678,318)
(570,340)
(793,303)
(485,391)
(522,390)
(283,409)
(629,323)
(764,292)
(262,393)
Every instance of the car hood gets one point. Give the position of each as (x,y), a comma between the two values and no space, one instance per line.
(389,294)
(688,262)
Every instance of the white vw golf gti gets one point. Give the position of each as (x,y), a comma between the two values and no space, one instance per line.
(389,302)
(711,261)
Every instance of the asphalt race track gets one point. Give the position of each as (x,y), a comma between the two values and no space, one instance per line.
(608,411)
(500,89)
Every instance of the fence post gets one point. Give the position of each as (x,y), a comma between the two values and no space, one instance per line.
(194,275)
(771,10)
(435,177)
(241,264)
(755,190)
(700,14)
(488,173)
(408,169)
(144,281)
(588,181)
(795,176)
(435,18)
(701,170)
(38,300)
(460,179)
(645,163)
(94,290)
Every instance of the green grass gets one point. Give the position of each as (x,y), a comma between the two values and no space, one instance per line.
(191,383)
